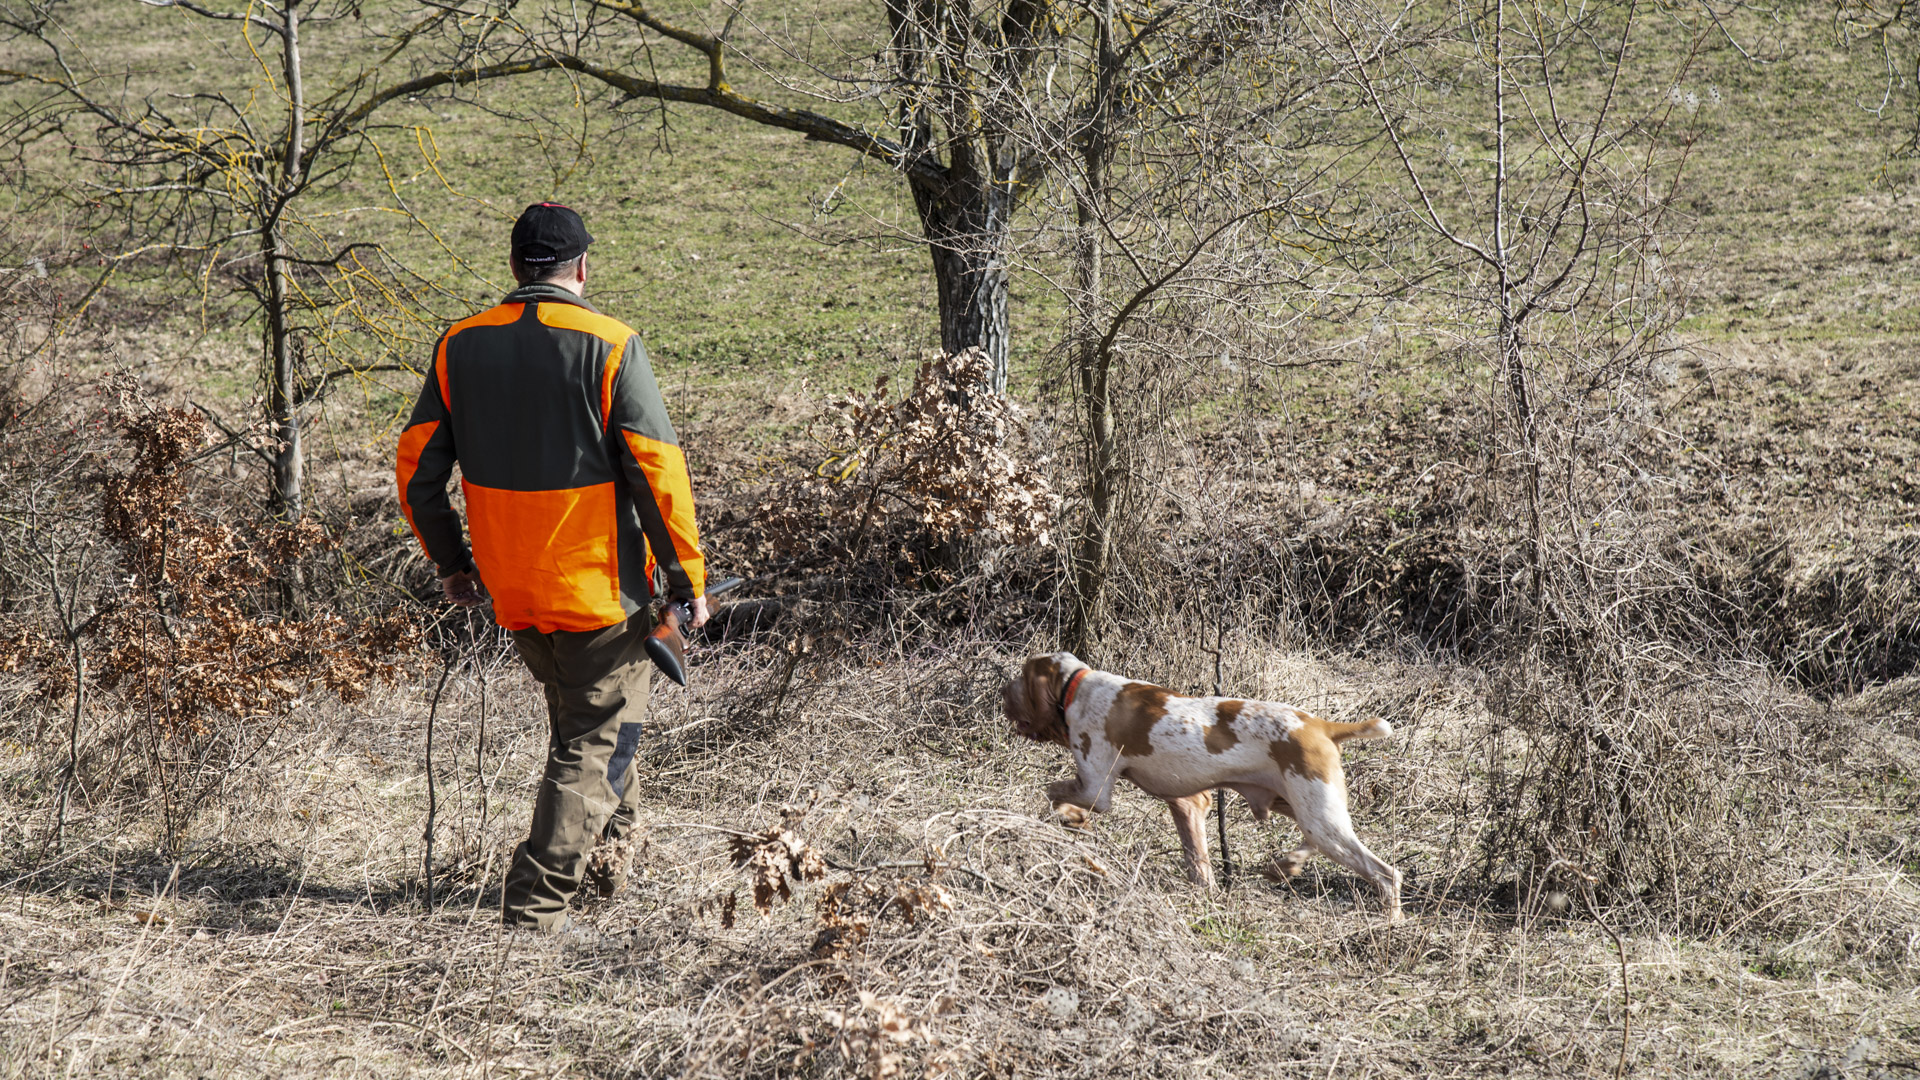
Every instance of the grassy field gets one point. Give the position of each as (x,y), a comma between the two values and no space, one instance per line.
(958,926)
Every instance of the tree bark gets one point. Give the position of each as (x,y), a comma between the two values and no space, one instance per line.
(283,406)
(1093,362)
(283,411)
(1094,551)
(966,226)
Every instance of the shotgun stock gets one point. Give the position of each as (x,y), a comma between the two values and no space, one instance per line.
(667,644)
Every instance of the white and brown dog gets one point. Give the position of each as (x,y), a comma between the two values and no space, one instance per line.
(1180,748)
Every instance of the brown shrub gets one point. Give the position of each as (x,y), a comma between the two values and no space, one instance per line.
(187,637)
(947,461)
(188,632)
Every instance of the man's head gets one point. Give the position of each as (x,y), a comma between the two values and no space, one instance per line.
(549,244)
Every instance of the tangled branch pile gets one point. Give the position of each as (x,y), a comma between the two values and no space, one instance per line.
(950,459)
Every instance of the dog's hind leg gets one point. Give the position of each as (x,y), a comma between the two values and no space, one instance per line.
(1190,820)
(1321,809)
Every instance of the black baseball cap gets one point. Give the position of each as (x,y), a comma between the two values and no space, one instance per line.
(548,233)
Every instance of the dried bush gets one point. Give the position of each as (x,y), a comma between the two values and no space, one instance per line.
(1653,782)
(185,638)
(948,461)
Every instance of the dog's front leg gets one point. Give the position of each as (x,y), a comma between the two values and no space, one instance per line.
(1092,785)
(1190,820)
(1098,770)
(1069,804)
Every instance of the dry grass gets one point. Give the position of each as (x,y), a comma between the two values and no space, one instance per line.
(957,929)
(292,939)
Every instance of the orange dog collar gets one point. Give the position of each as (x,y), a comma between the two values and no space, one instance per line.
(1073,684)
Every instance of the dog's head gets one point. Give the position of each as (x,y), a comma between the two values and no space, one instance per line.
(1033,698)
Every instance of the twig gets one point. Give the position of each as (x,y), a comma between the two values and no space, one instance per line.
(37,871)
(1626,995)
(914,864)
(433,802)
(697,825)
(235,438)
(480,752)
(1220,793)
(73,744)
(785,681)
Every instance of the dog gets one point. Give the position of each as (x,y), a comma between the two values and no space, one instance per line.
(1179,749)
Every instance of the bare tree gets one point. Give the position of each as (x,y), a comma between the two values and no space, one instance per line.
(223,174)
(1552,244)
(955,78)
(1545,188)
(1197,201)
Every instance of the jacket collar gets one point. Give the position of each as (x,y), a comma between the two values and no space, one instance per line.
(541,292)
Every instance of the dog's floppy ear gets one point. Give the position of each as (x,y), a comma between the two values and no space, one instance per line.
(1032,701)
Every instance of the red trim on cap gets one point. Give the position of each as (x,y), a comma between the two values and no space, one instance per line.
(1073,684)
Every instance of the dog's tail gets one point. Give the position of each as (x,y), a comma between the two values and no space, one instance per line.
(1376,728)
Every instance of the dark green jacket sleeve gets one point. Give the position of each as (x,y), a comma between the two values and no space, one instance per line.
(423,467)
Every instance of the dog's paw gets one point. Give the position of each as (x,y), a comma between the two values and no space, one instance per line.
(1286,867)
(1073,817)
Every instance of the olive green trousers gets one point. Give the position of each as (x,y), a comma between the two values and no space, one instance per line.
(596,683)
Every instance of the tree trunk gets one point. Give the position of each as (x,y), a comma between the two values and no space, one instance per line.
(1513,360)
(1512,356)
(1093,363)
(284,491)
(967,227)
(283,402)
(1092,554)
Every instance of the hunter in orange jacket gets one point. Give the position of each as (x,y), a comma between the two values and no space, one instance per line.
(576,490)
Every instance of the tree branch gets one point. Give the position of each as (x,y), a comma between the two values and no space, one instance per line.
(919,166)
(206,13)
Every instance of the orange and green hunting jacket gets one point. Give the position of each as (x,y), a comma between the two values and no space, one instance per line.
(574,480)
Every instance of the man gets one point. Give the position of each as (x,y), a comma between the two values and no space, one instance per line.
(576,488)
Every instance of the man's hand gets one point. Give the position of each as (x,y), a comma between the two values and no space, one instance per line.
(699,612)
(462,589)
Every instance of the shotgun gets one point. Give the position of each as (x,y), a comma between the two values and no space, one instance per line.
(667,646)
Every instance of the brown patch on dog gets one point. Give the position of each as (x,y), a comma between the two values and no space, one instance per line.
(1220,736)
(1086,743)
(1136,708)
(1032,702)
(1307,750)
